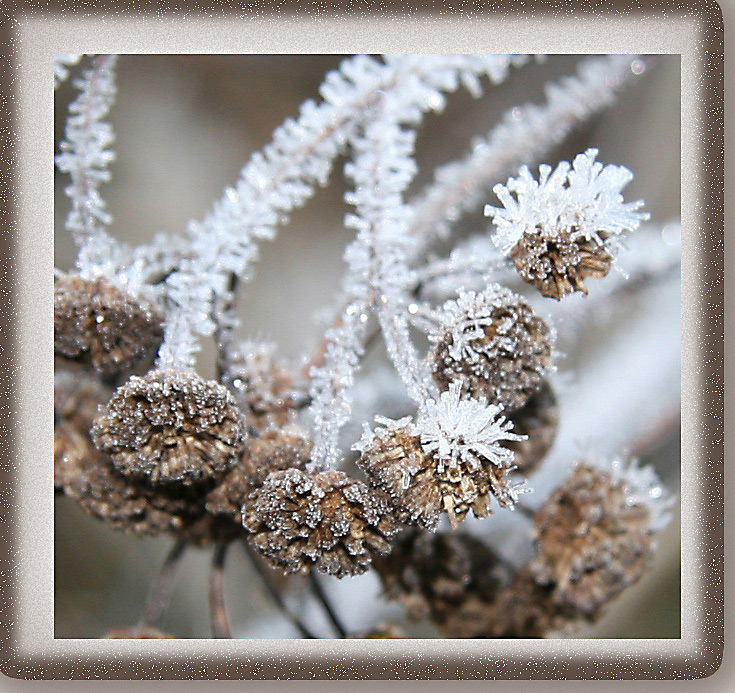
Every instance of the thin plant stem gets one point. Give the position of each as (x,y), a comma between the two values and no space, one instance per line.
(327,606)
(161,589)
(275,594)
(217,610)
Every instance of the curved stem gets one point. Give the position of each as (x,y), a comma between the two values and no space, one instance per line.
(275,594)
(218,612)
(161,589)
(327,606)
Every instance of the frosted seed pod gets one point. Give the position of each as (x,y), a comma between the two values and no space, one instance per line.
(563,228)
(275,450)
(325,521)
(170,426)
(97,323)
(452,460)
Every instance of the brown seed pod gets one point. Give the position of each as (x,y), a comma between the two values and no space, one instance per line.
(275,450)
(538,419)
(494,344)
(592,540)
(99,324)
(324,520)
(170,427)
(449,578)
(556,264)
(451,461)
(138,633)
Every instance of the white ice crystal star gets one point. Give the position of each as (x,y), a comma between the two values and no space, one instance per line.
(583,198)
(459,430)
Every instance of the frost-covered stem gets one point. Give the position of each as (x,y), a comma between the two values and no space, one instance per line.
(218,612)
(226,322)
(62,63)
(322,597)
(161,589)
(274,594)
(524,135)
(282,177)
(85,157)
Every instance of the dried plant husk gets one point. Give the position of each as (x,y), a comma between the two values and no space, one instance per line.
(103,326)
(323,520)
(557,264)
(171,427)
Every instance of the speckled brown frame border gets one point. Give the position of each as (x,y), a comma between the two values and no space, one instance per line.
(423,659)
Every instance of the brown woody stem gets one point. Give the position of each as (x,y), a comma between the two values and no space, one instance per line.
(161,589)
(319,592)
(218,612)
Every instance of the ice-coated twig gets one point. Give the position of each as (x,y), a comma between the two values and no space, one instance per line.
(524,134)
(62,63)
(283,176)
(85,155)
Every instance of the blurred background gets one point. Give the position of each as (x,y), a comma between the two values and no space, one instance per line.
(185,125)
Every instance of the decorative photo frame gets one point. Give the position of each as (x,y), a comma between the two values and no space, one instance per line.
(33,645)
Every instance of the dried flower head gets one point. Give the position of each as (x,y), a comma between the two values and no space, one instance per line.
(170,426)
(275,450)
(324,520)
(98,323)
(446,577)
(538,420)
(262,385)
(494,344)
(559,230)
(594,536)
(450,461)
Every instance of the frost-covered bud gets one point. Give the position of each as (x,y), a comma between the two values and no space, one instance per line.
(594,536)
(562,229)
(446,577)
(328,521)
(97,323)
(386,632)
(538,420)
(275,450)
(170,426)
(494,344)
(450,461)
(262,385)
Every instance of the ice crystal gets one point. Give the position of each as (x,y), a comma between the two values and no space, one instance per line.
(583,198)
(62,63)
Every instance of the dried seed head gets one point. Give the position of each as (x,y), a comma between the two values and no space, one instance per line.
(138,633)
(445,577)
(561,229)
(98,323)
(538,419)
(170,426)
(594,536)
(263,387)
(450,461)
(325,520)
(274,450)
(558,263)
(386,632)
(494,344)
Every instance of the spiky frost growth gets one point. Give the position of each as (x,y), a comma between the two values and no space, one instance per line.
(62,63)
(538,420)
(170,427)
(97,323)
(446,577)
(560,229)
(262,385)
(275,450)
(594,536)
(324,521)
(493,344)
(450,461)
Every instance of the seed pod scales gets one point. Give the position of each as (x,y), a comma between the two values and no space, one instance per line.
(97,323)
(452,460)
(171,426)
(325,521)
(493,343)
